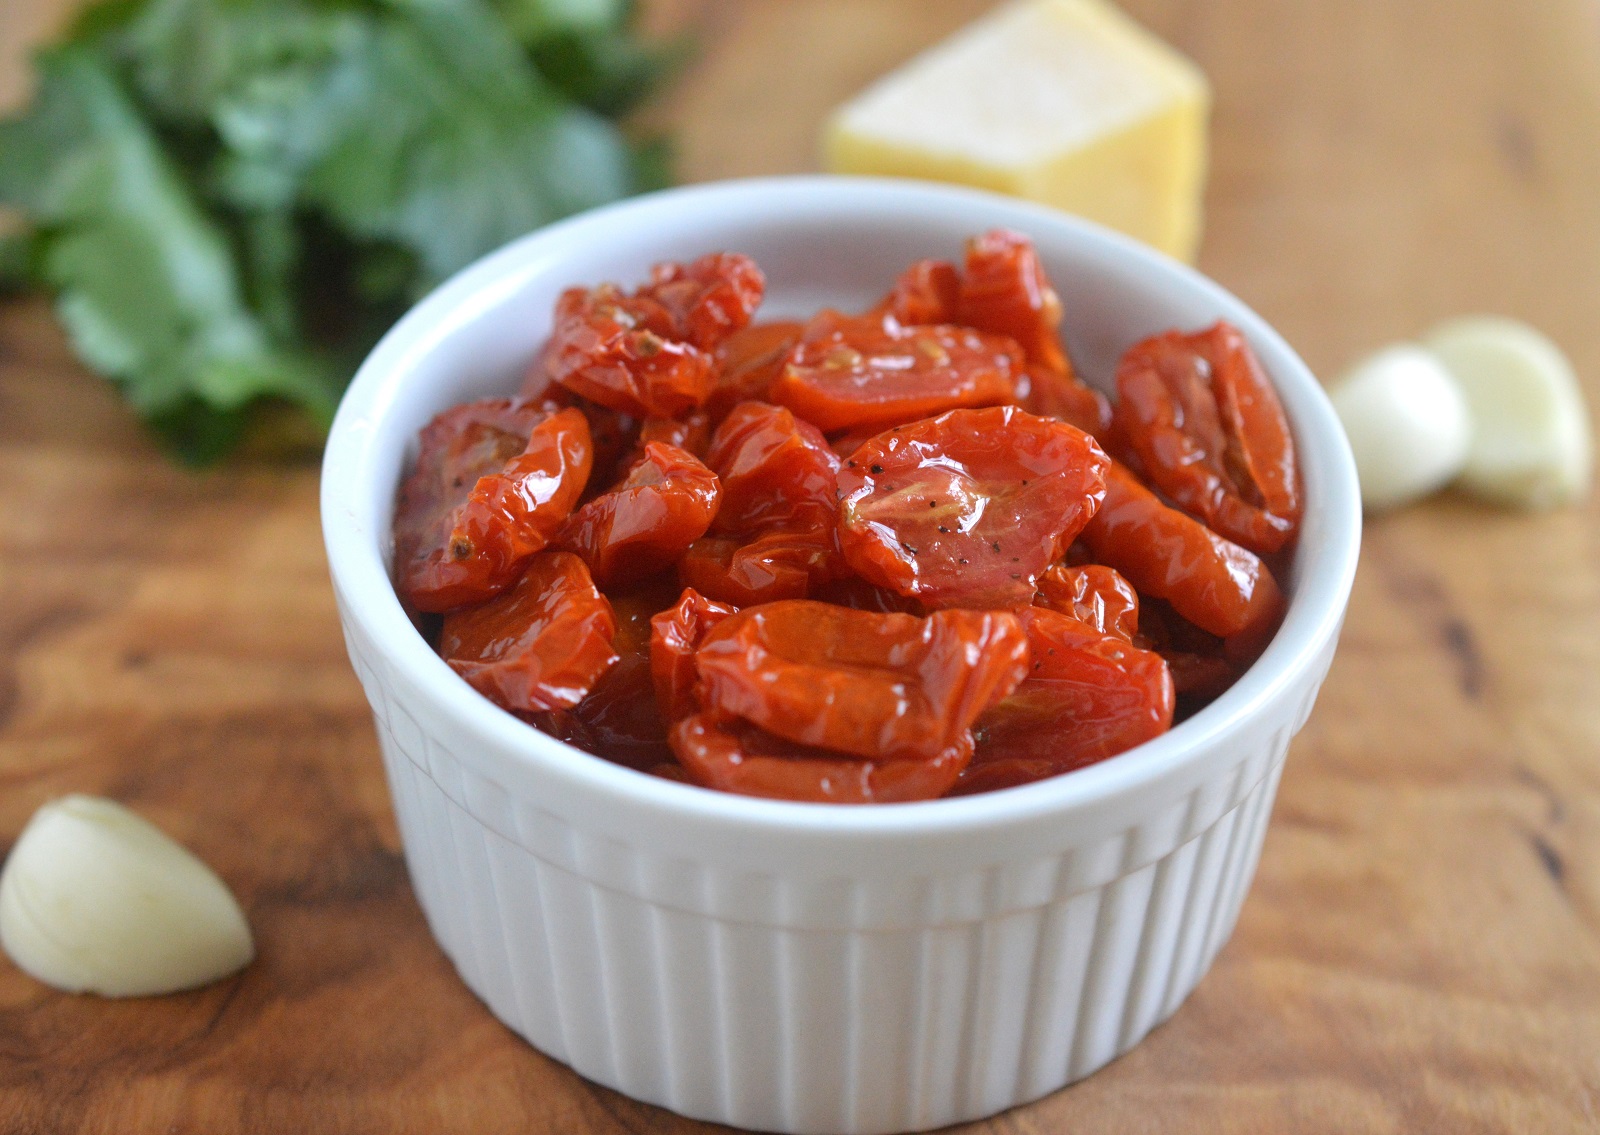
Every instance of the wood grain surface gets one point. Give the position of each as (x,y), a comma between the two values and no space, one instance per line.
(1419,951)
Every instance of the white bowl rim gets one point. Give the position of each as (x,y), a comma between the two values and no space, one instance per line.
(355,558)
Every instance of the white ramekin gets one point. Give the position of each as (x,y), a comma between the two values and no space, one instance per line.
(796,967)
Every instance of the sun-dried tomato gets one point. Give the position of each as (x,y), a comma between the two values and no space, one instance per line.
(647,522)
(748,361)
(1201,664)
(736,756)
(459,446)
(1005,291)
(1088,696)
(620,351)
(891,687)
(781,563)
(1211,435)
(848,372)
(1215,584)
(927,292)
(619,719)
(675,634)
(541,645)
(1094,594)
(1052,394)
(710,299)
(775,469)
(691,433)
(967,509)
(508,516)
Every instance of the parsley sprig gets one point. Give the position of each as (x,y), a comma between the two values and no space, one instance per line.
(230,199)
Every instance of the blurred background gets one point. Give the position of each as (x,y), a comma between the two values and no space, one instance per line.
(1419,951)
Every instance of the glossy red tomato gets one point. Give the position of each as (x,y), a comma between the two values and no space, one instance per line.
(1211,435)
(692,433)
(507,517)
(675,635)
(781,563)
(619,351)
(710,299)
(927,292)
(541,645)
(619,719)
(614,436)
(736,756)
(890,687)
(775,470)
(748,361)
(647,522)
(1202,665)
(459,446)
(1052,394)
(1005,291)
(1088,696)
(1215,584)
(869,370)
(1093,594)
(967,509)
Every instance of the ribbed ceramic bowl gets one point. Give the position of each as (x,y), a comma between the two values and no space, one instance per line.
(798,967)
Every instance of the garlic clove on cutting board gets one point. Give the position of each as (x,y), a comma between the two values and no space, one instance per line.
(1408,424)
(94,898)
(1531,444)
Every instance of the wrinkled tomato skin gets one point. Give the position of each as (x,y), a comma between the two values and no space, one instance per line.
(1210,433)
(458,447)
(856,593)
(735,756)
(709,300)
(508,516)
(1094,594)
(691,434)
(850,372)
(1088,696)
(541,645)
(781,563)
(885,687)
(675,635)
(1004,291)
(775,470)
(747,363)
(613,435)
(927,292)
(968,508)
(619,351)
(619,719)
(648,521)
(1052,394)
(1200,663)
(1220,587)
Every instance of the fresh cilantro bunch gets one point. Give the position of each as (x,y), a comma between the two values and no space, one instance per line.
(231,199)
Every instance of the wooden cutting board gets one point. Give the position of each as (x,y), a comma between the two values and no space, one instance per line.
(1419,951)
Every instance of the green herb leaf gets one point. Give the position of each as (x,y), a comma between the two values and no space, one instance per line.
(228,195)
(145,282)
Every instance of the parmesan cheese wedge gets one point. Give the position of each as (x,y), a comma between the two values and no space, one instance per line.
(1068,102)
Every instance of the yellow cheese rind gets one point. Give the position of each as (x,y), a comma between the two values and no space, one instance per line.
(1067,102)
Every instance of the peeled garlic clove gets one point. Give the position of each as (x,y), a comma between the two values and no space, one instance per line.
(94,898)
(1407,422)
(1531,443)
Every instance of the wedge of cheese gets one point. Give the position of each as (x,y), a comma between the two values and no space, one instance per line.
(1068,102)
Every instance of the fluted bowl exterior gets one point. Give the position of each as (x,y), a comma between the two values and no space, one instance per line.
(814,968)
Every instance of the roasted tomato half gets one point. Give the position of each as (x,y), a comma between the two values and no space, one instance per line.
(966,509)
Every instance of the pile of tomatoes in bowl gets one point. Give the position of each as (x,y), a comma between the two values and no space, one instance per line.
(866,558)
